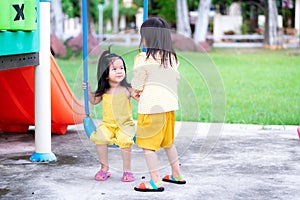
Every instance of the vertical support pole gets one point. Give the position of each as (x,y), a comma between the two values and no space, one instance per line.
(42,91)
(85,54)
(297,17)
(145,17)
(100,21)
(115,16)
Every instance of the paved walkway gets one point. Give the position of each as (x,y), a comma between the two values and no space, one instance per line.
(218,161)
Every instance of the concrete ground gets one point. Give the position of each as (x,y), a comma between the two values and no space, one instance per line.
(218,162)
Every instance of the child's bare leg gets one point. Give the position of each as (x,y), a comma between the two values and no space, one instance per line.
(102,151)
(126,156)
(173,160)
(152,163)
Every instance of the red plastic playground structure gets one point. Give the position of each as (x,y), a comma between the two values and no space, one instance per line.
(17,100)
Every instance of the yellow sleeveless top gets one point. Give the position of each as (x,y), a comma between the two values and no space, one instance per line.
(117,109)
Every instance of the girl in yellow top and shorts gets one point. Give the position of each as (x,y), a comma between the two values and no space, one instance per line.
(117,126)
(155,86)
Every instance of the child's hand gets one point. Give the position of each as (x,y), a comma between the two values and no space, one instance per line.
(84,86)
(135,94)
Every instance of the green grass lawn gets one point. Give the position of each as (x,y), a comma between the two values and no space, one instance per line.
(248,86)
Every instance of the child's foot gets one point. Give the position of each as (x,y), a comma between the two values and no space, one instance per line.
(102,176)
(127,177)
(150,187)
(172,179)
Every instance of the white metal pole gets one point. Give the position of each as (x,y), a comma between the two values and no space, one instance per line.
(115,16)
(42,92)
(100,21)
(297,16)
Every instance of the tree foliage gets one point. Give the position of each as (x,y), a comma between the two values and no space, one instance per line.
(193,5)
(223,2)
(71,8)
(165,9)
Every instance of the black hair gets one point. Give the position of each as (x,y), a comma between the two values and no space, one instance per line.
(156,35)
(104,62)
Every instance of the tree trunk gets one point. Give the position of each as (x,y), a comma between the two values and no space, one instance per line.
(183,25)
(273,37)
(115,16)
(57,19)
(202,21)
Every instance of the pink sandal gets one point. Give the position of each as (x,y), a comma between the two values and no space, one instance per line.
(102,176)
(127,177)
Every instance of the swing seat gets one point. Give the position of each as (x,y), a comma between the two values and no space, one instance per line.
(89,126)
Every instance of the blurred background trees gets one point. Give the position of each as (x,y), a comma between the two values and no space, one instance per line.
(191,18)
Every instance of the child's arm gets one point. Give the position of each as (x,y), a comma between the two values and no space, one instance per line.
(92,98)
(135,94)
(139,76)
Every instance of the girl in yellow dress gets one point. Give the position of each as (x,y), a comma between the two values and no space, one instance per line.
(155,86)
(117,126)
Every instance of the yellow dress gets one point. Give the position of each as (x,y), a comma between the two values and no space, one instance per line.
(117,126)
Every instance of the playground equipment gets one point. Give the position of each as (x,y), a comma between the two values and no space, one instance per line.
(28,75)
(88,123)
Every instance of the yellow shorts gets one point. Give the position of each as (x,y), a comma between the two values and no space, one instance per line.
(112,134)
(155,130)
